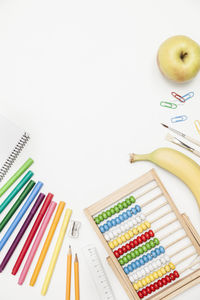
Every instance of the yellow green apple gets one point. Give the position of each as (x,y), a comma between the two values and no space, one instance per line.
(179,58)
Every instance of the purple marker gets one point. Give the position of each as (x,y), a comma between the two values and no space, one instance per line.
(23,229)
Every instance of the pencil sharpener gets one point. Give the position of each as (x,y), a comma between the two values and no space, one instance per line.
(74,229)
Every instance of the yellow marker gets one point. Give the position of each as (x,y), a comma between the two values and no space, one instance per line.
(56,251)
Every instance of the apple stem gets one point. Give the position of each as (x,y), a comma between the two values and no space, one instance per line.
(183,55)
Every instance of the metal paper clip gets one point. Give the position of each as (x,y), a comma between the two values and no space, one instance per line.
(197,125)
(168,104)
(188,96)
(74,229)
(178,97)
(179,119)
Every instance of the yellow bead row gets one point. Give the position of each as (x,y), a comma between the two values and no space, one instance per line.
(128,235)
(155,275)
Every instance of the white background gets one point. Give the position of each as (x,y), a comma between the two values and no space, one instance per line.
(81,77)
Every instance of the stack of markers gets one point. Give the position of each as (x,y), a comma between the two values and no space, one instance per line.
(31,194)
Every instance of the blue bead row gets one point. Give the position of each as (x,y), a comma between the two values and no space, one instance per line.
(143,260)
(121,218)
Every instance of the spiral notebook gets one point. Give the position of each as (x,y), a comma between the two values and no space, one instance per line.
(12,141)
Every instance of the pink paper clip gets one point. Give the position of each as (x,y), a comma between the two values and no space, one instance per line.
(178,97)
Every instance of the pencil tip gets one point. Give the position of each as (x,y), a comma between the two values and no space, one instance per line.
(164,125)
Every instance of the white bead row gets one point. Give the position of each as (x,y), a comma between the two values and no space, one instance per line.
(151,267)
(120,229)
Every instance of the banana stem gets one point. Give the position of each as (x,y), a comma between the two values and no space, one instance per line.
(138,157)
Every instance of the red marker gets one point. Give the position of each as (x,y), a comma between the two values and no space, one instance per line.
(32,233)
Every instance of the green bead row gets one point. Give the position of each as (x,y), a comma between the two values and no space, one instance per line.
(138,251)
(114,210)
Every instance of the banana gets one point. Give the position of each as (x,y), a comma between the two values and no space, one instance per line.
(178,164)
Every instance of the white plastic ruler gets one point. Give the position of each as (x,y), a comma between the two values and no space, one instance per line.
(98,274)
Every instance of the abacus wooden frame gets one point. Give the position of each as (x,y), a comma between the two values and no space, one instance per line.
(178,286)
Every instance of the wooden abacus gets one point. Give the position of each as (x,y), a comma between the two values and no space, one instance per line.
(128,230)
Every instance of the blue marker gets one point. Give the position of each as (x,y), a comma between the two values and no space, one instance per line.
(21,213)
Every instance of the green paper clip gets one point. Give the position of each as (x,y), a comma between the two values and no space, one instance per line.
(168,104)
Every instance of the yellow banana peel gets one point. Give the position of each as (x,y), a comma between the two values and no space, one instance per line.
(178,164)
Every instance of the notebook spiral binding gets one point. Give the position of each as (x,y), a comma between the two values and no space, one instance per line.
(14,154)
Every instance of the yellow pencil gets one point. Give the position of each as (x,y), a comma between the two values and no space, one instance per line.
(47,243)
(76,278)
(56,251)
(68,278)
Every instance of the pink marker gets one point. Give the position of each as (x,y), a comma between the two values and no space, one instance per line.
(37,241)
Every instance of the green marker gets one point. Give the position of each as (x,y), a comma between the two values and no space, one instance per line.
(19,201)
(12,180)
(16,190)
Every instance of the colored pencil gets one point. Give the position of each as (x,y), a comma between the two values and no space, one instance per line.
(16,190)
(190,139)
(17,204)
(47,243)
(56,251)
(22,231)
(69,271)
(76,278)
(12,180)
(36,243)
(32,233)
(21,213)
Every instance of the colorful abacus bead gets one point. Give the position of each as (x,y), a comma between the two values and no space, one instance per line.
(131,245)
(114,210)
(128,235)
(153,276)
(159,284)
(109,235)
(146,258)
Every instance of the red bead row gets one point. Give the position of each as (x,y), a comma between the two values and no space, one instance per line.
(158,284)
(139,240)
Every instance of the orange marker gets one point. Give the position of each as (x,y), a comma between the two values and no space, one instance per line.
(76,278)
(68,277)
(47,243)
